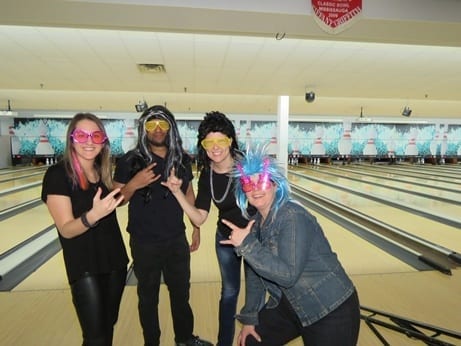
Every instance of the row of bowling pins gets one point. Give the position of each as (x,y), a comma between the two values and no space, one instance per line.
(420,161)
(50,161)
(293,160)
(315,160)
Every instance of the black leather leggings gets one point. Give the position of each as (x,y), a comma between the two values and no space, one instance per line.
(97,300)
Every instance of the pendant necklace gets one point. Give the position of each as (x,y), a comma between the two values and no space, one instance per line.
(229,181)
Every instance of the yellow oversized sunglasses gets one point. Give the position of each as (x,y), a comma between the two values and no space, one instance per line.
(151,125)
(222,142)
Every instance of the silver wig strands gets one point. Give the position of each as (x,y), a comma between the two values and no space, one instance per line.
(173,140)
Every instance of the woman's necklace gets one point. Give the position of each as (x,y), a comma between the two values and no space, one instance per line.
(229,181)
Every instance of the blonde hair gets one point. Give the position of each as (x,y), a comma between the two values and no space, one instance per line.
(102,163)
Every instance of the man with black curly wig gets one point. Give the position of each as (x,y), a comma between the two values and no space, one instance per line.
(218,149)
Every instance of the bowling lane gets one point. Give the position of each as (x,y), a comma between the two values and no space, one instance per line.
(13,181)
(22,226)
(15,198)
(357,255)
(418,175)
(52,274)
(420,185)
(17,171)
(29,178)
(447,236)
(10,185)
(351,250)
(450,176)
(447,210)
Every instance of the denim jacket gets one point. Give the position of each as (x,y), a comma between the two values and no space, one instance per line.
(290,254)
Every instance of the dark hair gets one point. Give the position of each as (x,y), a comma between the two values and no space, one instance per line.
(215,122)
(173,140)
(102,162)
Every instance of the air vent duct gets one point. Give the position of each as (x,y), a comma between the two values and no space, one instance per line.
(151,68)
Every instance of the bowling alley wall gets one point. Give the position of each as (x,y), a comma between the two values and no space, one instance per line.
(42,140)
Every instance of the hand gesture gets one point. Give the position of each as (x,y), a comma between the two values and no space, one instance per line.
(106,205)
(238,234)
(145,176)
(173,182)
(244,332)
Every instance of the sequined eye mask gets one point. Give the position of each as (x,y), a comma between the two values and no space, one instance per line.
(264,179)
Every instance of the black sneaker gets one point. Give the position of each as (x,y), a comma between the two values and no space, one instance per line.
(194,341)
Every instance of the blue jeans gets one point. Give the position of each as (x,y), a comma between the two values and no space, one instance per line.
(96,300)
(230,268)
(172,259)
(280,325)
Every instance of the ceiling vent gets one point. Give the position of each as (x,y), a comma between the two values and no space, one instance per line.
(151,68)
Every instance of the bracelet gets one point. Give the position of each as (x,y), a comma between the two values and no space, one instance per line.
(85,221)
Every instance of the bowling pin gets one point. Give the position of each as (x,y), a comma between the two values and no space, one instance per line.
(345,143)
(411,148)
(318,148)
(130,139)
(370,147)
(43,147)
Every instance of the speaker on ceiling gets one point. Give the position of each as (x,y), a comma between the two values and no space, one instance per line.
(310,96)
(406,111)
(141,106)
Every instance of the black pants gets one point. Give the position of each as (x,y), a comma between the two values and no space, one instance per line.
(172,259)
(280,325)
(97,301)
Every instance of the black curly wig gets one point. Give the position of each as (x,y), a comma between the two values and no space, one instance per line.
(215,122)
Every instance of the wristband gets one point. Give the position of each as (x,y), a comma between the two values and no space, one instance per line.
(85,221)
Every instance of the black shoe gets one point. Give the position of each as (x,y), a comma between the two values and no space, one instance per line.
(194,341)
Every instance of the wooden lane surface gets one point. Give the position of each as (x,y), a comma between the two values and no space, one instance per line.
(447,188)
(444,235)
(46,290)
(16,198)
(357,256)
(46,317)
(39,311)
(22,226)
(406,196)
(436,173)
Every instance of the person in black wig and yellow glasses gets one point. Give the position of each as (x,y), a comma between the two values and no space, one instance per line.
(158,240)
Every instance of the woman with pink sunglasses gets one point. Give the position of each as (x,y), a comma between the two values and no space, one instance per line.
(79,196)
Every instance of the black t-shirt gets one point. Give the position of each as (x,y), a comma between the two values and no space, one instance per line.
(154,214)
(101,248)
(227,209)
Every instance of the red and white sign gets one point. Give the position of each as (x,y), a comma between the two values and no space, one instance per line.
(335,16)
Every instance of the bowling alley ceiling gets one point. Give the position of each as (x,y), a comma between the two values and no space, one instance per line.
(234,56)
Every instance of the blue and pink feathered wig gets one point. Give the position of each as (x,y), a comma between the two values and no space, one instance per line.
(256,161)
